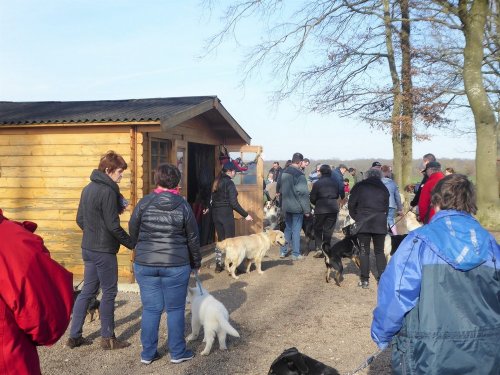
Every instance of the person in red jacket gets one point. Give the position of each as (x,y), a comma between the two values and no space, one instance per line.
(434,174)
(36,298)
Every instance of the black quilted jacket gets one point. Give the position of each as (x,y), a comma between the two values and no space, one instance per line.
(166,232)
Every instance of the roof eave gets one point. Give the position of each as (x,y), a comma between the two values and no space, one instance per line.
(169,122)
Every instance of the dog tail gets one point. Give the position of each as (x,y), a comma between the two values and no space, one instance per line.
(226,326)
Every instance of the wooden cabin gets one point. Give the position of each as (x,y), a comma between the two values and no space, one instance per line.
(49,149)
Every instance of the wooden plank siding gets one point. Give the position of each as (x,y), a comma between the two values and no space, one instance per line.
(42,173)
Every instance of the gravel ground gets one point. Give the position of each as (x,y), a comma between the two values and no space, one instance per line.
(289,305)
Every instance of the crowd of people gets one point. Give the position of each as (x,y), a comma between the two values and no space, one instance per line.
(437,306)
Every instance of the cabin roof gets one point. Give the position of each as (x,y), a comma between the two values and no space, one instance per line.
(169,111)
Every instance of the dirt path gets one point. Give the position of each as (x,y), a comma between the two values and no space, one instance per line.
(289,305)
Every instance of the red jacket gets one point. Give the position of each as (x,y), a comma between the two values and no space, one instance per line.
(36,298)
(425,211)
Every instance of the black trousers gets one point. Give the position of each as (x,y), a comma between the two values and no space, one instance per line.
(224,222)
(364,254)
(324,224)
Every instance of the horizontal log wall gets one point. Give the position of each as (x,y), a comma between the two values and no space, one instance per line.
(42,173)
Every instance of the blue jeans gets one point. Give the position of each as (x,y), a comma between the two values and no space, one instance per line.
(100,270)
(391,214)
(162,288)
(293,226)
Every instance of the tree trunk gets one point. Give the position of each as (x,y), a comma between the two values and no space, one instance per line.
(407,88)
(488,201)
(397,98)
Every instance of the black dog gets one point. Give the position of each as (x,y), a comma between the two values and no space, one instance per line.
(308,228)
(396,240)
(348,247)
(93,304)
(292,362)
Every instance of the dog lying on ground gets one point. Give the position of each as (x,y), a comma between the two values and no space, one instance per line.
(206,311)
(392,242)
(292,362)
(348,247)
(251,248)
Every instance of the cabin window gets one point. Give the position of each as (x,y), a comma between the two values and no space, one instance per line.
(248,177)
(160,149)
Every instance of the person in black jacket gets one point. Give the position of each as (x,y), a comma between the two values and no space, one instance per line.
(427,158)
(167,250)
(368,206)
(324,196)
(98,217)
(224,201)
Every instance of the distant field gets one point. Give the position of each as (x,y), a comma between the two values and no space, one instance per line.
(464,166)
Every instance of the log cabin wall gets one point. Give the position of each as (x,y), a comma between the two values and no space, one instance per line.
(42,173)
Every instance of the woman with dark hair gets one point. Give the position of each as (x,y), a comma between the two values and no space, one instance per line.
(98,217)
(324,196)
(224,201)
(368,206)
(167,250)
(438,301)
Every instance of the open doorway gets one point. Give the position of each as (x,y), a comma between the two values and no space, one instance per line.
(201,172)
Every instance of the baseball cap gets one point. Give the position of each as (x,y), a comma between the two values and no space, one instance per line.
(376,164)
(229,166)
(433,164)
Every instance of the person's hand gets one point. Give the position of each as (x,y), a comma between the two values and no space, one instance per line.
(205,210)
(249,218)
(307,215)
(400,213)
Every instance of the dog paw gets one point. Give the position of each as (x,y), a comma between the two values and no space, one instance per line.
(260,272)
(223,348)
(190,338)
(205,352)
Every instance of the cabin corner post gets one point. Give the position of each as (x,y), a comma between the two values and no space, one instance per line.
(133,188)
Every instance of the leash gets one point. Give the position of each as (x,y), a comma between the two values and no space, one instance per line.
(198,282)
(367,362)
(401,218)
(76,287)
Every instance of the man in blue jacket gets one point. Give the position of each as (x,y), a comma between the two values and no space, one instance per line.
(438,299)
(294,204)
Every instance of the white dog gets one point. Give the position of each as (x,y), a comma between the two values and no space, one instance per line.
(206,311)
(392,242)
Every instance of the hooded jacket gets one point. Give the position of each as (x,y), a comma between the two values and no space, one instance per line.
(368,205)
(324,195)
(166,232)
(36,297)
(438,300)
(294,192)
(98,215)
(226,195)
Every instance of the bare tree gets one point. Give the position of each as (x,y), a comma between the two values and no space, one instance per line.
(362,63)
(475,63)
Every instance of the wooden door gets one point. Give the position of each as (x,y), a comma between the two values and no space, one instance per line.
(250,188)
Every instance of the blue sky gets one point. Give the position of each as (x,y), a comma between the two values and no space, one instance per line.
(121,49)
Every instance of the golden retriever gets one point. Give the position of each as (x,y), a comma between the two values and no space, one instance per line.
(251,248)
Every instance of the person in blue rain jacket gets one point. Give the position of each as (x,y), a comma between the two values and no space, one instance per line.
(439,297)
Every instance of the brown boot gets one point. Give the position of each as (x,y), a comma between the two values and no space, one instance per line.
(76,342)
(112,343)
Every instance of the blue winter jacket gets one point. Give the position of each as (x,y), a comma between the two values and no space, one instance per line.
(439,300)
